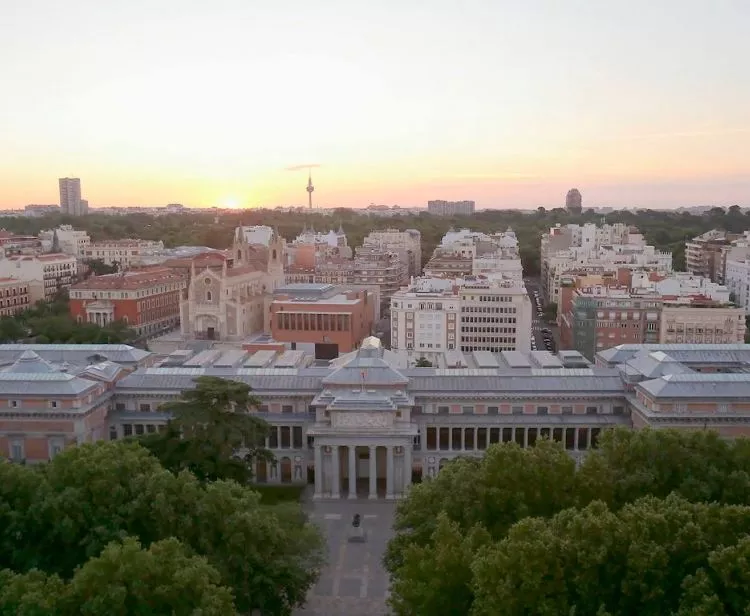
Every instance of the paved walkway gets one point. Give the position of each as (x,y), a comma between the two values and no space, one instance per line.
(354,583)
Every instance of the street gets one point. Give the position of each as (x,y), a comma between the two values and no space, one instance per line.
(538,324)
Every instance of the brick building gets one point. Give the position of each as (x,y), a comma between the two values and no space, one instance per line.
(147,300)
(55,271)
(334,320)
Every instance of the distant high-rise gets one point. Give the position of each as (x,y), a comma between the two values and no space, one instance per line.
(574,201)
(450,208)
(70,197)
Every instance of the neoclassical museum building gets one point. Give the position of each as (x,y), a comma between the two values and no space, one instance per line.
(365,425)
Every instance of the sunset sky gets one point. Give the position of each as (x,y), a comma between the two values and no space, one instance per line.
(638,102)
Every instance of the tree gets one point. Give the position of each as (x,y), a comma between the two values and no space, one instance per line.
(550,311)
(212,432)
(636,561)
(99,268)
(423,362)
(57,517)
(125,579)
(522,489)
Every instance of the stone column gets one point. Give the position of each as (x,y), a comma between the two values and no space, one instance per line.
(407,469)
(575,439)
(389,475)
(373,472)
(450,438)
(463,438)
(352,472)
(318,472)
(335,474)
(525,438)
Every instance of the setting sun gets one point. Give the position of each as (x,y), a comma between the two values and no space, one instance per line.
(231,203)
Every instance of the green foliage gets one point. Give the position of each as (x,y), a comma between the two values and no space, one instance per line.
(211,426)
(639,560)
(423,362)
(50,322)
(58,517)
(100,268)
(520,494)
(124,580)
(550,312)
(667,230)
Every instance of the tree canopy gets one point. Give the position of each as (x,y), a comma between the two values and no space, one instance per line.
(665,229)
(212,432)
(118,529)
(480,531)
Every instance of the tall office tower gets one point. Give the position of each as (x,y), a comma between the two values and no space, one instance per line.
(70,196)
(574,201)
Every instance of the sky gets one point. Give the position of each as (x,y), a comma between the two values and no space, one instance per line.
(637,103)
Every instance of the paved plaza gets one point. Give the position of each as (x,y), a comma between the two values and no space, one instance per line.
(354,582)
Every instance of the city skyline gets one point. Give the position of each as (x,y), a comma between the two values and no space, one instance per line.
(506,105)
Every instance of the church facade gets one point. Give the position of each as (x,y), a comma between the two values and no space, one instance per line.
(229,293)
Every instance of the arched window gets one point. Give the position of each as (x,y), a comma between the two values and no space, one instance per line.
(208,296)
(274,254)
(239,255)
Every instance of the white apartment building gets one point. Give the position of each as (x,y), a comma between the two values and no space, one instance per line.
(597,260)
(125,253)
(476,253)
(681,284)
(406,244)
(473,314)
(738,280)
(579,246)
(69,241)
(56,271)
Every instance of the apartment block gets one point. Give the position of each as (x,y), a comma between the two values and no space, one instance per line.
(406,244)
(603,311)
(465,314)
(595,250)
(55,271)
(18,295)
(473,253)
(373,266)
(450,208)
(67,240)
(125,253)
(706,255)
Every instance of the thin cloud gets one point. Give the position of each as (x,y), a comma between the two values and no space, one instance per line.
(494,177)
(301,167)
(683,134)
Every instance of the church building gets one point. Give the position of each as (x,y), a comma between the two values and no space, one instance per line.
(229,294)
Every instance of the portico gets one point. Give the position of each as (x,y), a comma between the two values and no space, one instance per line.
(363,435)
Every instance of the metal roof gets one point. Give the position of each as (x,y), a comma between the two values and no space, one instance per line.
(260,359)
(485,359)
(516,359)
(230,359)
(705,386)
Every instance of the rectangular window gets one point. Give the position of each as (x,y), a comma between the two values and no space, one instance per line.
(297,437)
(517,410)
(481,438)
(431,438)
(456,438)
(567,410)
(444,439)
(273,438)
(494,435)
(618,410)
(592,410)
(145,408)
(17,451)
(286,437)
(542,410)
(519,436)
(492,410)
(138,429)
(287,408)
(532,436)
(443,410)
(469,438)
(53,404)
(150,428)
(119,406)
(557,435)
(263,408)
(467,410)
(127,430)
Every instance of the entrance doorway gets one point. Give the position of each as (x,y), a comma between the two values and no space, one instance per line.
(210,333)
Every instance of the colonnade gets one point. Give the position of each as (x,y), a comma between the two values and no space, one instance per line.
(398,463)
